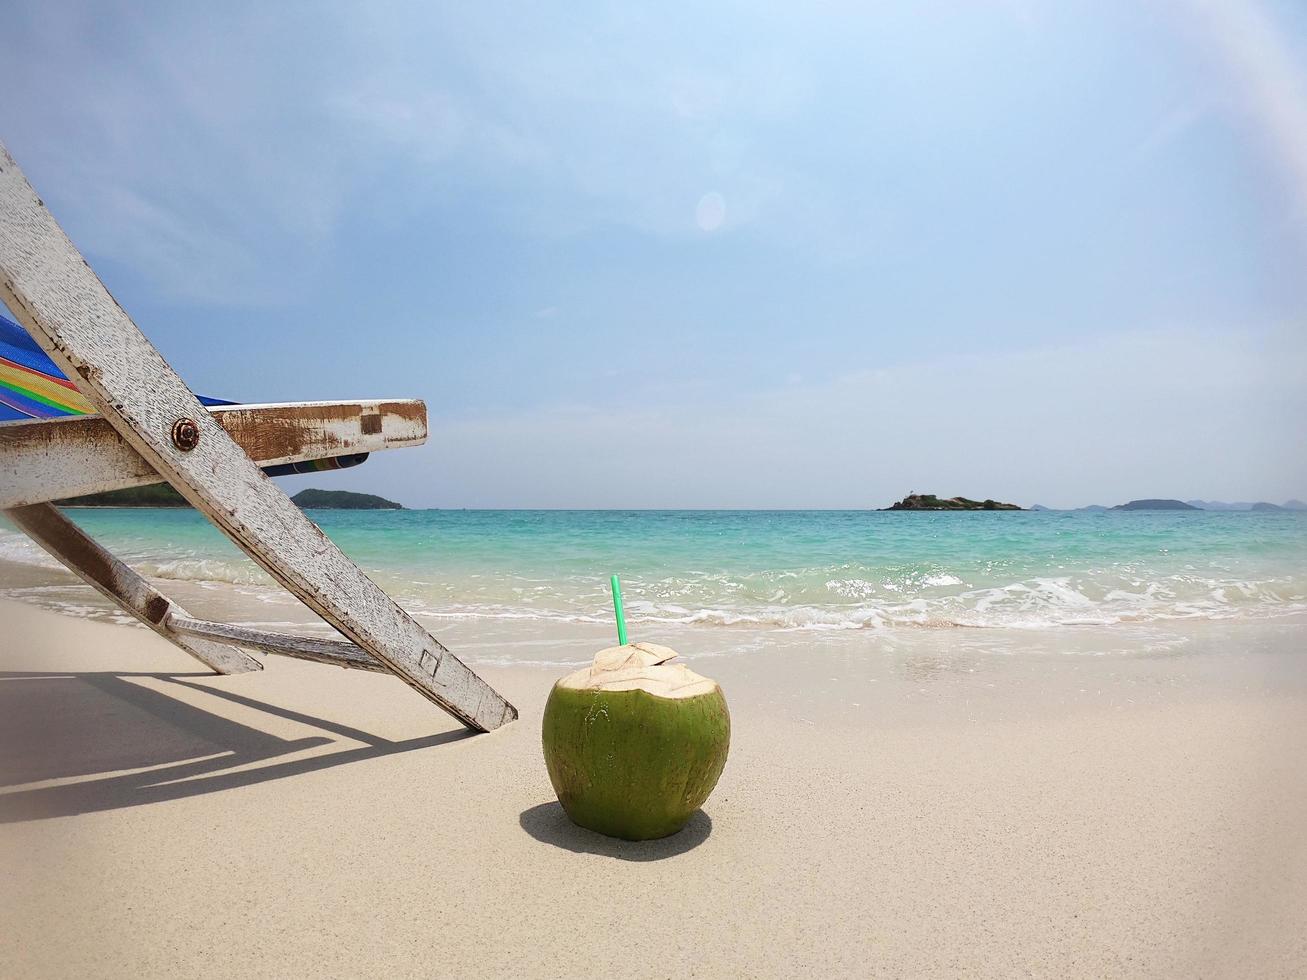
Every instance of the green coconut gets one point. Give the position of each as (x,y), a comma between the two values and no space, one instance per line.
(634,744)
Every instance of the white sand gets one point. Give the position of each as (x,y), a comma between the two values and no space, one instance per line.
(904,815)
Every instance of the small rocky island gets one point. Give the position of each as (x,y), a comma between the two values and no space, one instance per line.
(343,500)
(928,501)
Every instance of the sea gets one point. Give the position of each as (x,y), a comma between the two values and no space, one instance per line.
(793,571)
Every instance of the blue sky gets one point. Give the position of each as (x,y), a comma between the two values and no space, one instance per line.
(799,255)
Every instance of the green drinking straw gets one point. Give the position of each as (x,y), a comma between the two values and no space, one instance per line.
(617,609)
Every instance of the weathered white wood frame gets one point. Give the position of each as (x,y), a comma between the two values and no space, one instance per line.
(53,459)
(45,525)
(64,306)
(323,650)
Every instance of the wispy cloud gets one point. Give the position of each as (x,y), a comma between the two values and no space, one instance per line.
(206,119)
(170,148)
(1270,79)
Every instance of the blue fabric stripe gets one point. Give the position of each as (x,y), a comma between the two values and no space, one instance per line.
(16,345)
(316,465)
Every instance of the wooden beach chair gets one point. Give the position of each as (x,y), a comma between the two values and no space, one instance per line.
(111,413)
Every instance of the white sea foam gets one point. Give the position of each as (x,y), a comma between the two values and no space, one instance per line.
(938,580)
(22,550)
(196,569)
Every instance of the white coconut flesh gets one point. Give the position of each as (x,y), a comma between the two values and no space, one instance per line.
(639,667)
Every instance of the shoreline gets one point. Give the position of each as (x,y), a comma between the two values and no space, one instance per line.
(915,811)
(257,600)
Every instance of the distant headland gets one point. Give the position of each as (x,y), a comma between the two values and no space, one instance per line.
(155,495)
(928,501)
(343,500)
(163,495)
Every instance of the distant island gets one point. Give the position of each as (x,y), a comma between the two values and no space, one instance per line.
(1221,504)
(1155,504)
(163,495)
(1211,505)
(1248,505)
(343,500)
(928,501)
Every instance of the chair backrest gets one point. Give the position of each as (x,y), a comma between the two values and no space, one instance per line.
(33,387)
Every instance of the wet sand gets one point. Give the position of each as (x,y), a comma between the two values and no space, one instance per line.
(920,805)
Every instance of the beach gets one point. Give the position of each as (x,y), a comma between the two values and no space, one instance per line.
(1120,800)
(862,445)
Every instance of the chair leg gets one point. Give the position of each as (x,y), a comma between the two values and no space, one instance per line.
(63,539)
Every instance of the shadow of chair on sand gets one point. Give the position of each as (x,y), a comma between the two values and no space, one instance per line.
(89,741)
(549,824)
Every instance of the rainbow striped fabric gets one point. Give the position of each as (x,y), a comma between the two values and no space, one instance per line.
(32,387)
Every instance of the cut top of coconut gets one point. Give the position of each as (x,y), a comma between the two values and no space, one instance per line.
(639,667)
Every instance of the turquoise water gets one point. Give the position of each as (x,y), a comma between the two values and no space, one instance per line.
(785,570)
